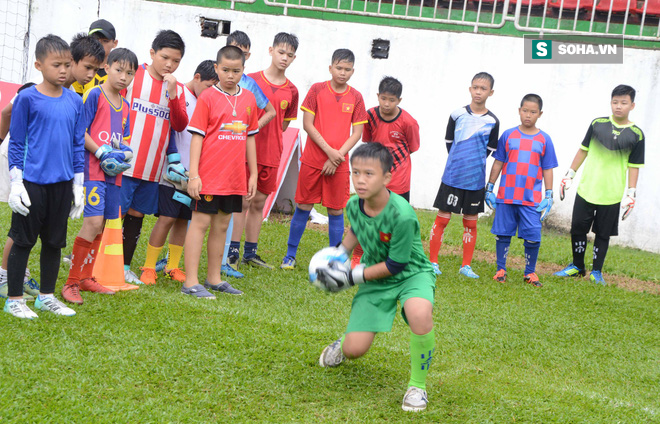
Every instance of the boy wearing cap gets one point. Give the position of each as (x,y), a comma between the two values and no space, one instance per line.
(105,32)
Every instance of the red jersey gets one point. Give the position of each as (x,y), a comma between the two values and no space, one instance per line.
(334,114)
(285,100)
(222,161)
(401,137)
(106,124)
(153,113)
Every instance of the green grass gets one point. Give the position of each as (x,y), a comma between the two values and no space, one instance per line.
(569,352)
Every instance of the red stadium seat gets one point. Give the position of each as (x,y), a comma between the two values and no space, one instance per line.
(618,6)
(572,4)
(652,9)
(534,3)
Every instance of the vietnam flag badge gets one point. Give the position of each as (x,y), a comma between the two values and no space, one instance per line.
(385,237)
(347,107)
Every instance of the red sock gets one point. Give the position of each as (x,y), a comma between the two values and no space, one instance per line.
(88,267)
(469,239)
(437,233)
(78,256)
(357,255)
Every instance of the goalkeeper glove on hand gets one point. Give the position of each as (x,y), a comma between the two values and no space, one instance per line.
(18,200)
(175,171)
(112,167)
(628,204)
(566,183)
(338,276)
(78,196)
(127,151)
(545,205)
(490,196)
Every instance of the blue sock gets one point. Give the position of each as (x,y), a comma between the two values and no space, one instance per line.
(502,244)
(234,248)
(296,230)
(336,228)
(531,255)
(249,250)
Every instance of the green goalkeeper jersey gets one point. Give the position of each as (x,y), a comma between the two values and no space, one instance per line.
(393,233)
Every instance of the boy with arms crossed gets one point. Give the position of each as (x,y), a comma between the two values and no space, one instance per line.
(46,164)
(151,121)
(394,268)
(173,216)
(331,109)
(526,156)
(611,147)
(471,136)
(223,126)
(281,93)
(106,118)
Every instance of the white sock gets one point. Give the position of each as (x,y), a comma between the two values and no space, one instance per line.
(45,296)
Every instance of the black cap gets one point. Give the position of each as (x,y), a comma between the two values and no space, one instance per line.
(103,28)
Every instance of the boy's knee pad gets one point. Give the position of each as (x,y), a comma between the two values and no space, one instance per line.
(529,243)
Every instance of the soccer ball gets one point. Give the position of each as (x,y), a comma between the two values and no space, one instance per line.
(321,259)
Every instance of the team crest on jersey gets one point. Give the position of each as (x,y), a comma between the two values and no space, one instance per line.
(208,197)
(347,107)
(284,104)
(248,109)
(385,237)
(123,123)
(395,134)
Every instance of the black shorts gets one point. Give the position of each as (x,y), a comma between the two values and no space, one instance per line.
(169,207)
(213,204)
(603,220)
(457,200)
(49,213)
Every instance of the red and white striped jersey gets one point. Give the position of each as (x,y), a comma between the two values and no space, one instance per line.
(153,113)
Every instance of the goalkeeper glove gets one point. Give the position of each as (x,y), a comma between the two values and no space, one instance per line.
(78,196)
(338,276)
(545,205)
(566,183)
(113,161)
(628,204)
(490,196)
(18,200)
(127,151)
(175,171)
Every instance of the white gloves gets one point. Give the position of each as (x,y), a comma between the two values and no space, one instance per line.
(566,183)
(19,201)
(78,196)
(628,203)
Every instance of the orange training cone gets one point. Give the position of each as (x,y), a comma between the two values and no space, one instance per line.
(109,264)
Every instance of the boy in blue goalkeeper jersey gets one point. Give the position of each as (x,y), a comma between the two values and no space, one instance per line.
(46,167)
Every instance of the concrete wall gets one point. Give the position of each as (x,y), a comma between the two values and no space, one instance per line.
(435,68)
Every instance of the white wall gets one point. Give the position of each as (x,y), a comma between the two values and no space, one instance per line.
(435,69)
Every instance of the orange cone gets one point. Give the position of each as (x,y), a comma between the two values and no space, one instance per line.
(109,264)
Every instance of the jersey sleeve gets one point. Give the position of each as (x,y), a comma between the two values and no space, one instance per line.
(403,235)
(549,158)
(200,119)
(252,86)
(359,112)
(292,110)
(79,140)
(412,135)
(18,131)
(171,144)
(451,126)
(587,138)
(90,107)
(127,123)
(309,104)
(500,152)
(370,127)
(493,136)
(178,113)
(253,125)
(636,158)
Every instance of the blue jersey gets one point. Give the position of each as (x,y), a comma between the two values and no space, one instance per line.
(47,136)
(250,84)
(469,138)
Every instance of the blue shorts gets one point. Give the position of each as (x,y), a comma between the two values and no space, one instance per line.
(524,218)
(101,199)
(139,195)
(169,207)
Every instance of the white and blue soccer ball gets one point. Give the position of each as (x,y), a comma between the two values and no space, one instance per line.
(321,259)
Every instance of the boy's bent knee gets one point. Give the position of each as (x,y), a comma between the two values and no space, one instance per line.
(419,314)
(357,344)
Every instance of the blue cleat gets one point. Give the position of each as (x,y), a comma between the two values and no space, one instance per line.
(160,265)
(231,272)
(288,263)
(467,271)
(436,268)
(597,277)
(570,271)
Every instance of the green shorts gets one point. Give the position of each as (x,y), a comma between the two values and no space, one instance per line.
(374,305)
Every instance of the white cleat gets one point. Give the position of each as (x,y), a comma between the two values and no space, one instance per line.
(19,309)
(415,400)
(54,305)
(332,355)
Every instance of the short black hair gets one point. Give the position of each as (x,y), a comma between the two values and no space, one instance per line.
(287,39)
(624,90)
(534,98)
(167,38)
(239,38)
(486,76)
(231,53)
(86,45)
(50,44)
(206,71)
(342,55)
(124,56)
(24,86)
(374,151)
(390,85)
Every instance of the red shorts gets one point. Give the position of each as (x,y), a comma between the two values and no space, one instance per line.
(266,178)
(331,191)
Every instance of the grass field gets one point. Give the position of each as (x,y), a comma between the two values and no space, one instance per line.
(571,352)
